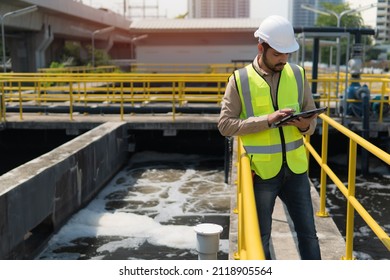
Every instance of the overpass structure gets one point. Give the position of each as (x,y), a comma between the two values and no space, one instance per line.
(33,39)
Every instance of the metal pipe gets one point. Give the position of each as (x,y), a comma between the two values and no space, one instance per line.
(228,157)
(316,48)
(48,37)
(354,30)
(114,110)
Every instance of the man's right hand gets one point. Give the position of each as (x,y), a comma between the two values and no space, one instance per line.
(278,115)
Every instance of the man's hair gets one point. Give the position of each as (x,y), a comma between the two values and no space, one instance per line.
(265,46)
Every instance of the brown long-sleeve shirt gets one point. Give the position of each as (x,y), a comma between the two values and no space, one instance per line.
(229,122)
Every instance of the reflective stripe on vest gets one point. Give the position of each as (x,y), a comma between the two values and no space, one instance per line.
(273,149)
(246,92)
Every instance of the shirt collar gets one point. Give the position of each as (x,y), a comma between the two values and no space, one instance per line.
(258,68)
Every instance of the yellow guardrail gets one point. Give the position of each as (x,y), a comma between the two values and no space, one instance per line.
(248,228)
(249,245)
(121,89)
(80,69)
(249,235)
(145,88)
(131,89)
(153,68)
(186,68)
(327,91)
(347,190)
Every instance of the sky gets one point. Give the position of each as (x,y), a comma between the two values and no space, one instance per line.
(259,9)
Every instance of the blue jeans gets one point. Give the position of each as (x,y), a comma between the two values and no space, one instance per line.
(294,191)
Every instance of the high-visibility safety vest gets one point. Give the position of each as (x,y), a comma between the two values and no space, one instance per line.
(268,149)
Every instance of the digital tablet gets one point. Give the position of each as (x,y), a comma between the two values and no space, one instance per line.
(305,114)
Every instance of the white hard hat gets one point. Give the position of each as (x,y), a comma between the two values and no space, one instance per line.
(277,32)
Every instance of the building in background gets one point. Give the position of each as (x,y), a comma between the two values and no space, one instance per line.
(383,21)
(199,41)
(137,9)
(302,17)
(218,8)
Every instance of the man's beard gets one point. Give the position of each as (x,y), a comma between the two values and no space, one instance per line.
(275,68)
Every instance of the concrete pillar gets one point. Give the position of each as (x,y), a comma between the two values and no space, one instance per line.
(21,48)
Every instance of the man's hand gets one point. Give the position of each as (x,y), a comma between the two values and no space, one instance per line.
(279,114)
(302,124)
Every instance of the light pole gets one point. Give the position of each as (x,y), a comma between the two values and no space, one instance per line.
(94,33)
(338,17)
(13,14)
(134,40)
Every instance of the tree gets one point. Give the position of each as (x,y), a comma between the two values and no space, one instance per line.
(182,16)
(352,20)
(101,56)
(349,20)
(72,52)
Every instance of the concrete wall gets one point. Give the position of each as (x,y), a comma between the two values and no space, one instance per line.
(52,187)
(195,54)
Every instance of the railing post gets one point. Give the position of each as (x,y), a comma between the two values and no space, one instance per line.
(366,128)
(1,102)
(228,157)
(350,209)
(324,157)
(71,100)
(20,101)
(122,108)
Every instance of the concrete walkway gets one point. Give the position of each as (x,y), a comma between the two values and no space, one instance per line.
(284,243)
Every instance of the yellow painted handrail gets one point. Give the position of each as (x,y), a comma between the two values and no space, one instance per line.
(120,89)
(348,191)
(180,89)
(249,243)
(176,88)
(249,235)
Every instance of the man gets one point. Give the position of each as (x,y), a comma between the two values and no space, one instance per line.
(256,97)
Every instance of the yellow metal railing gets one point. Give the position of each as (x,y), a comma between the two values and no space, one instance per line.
(326,89)
(249,245)
(137,88)
(121,89)
(130,89)
(80,69)
(186,68)
(348,191)
(248,227)
(153,68)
